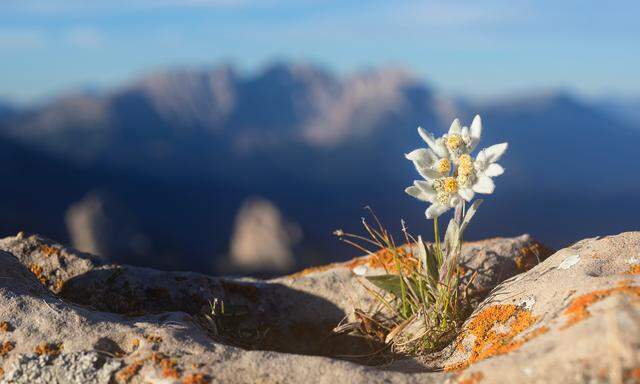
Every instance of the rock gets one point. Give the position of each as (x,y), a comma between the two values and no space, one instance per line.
(262,239)
(98,224)
(69,368)
(560,323)
(52,263)
(549,324)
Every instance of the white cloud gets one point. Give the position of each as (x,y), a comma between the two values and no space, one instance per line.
(447,14)
(84,37)
(21,38)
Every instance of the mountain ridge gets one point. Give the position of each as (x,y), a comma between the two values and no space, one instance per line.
(321,146)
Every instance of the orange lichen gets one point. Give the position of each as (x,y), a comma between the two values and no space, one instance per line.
(127,373)
(474,378)
(37,270)
(50,349)
(48,251)
(386,259)
(153,339)
(633,374)
(196,378)
(578,310)
(6,347)
(634,270)
(168,365)
(5,326)
(530,255)
(490,342)
(1,372)
(169,368)
(58,285)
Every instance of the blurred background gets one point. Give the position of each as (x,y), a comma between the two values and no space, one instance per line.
(233,136)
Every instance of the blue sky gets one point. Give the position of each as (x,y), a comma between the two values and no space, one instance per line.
(475,48)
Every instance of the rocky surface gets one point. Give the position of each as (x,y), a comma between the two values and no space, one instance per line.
(571,318)
(99,224)
(262,239)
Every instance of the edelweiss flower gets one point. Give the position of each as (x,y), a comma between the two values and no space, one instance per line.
(462,140)
(428,164)
(442,193)
(444,189)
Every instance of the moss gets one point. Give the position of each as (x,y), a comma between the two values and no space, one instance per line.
(50,349)
(6,347)
(488,342)
(578,309)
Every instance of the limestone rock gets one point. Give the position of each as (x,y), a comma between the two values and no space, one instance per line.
(262,239)
(100,225)
(569,322)
(52,263)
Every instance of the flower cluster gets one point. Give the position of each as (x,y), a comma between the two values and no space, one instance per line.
(450,172)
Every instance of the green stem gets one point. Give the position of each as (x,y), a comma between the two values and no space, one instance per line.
(436,234)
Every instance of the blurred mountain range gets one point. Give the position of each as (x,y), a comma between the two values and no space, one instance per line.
(177,153)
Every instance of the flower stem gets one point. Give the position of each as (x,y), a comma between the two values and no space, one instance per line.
(436,234)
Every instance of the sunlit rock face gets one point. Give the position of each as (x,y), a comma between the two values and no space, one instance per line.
(569,317)
(262,239)
(99,225)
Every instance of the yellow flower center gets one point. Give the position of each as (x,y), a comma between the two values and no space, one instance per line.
(465,165)
(454,142)
(464,158)
(450,185)
(444,166)
(443,198)
(463,180)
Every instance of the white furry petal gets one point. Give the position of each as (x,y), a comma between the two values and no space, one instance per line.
(495,152)
(493,170)
(484,184)
(455,128)
(422,155)
(435,210)
(476,128)
(435,144)
(466,193)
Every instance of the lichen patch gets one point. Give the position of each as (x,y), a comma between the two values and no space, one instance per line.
(6,347)
(49,349)
(496,331)
(196,378)
(127,373)
(5,327)
(37,270)
(634,270)
(578,309)
(474,378)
